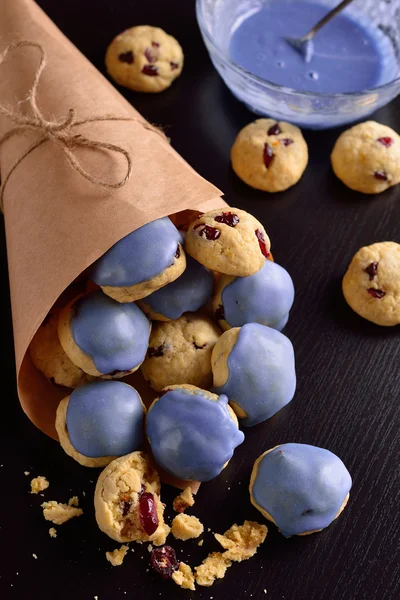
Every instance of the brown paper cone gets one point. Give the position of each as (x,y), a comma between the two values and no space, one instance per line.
(57,223)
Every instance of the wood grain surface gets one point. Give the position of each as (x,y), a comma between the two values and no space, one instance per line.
(348,389)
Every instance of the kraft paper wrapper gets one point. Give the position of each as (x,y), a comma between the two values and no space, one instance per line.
(56,222)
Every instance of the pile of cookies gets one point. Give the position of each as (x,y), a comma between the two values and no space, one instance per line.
(187,308)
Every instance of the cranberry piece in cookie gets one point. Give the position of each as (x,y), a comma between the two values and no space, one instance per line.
(148,513)
(228,218)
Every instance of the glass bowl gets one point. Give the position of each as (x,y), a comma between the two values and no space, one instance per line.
(219,18)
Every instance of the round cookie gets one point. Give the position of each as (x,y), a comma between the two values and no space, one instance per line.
(371,284)
(100,421)
(144,59)
(180,352)
(229,241)
(192,432)
(366,157)
(127,501)
(254,366)
(49,357)
(142,262)
(300,488)
(188,293)
(103,337)
(265,297)
(269,155)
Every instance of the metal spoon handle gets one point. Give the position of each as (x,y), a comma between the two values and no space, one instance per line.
(326,19)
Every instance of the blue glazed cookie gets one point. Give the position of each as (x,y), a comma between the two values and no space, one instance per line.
(192,432)
(103,337)
(300,488)
(254,366)
(142,262)
(100,421)
(188,293)
(265,297)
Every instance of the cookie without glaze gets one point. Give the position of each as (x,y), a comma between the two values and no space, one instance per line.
(192,432)
(265,297)
(254,366)
(100,421)
(371,284)
(103,337)
(180,352)
(49,357)
(188,293)
(142,262)
(229,241)
(366,157)
(300,488)
(117,497)
(269,155)
(144,59)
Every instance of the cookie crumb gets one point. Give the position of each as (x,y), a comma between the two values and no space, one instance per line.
(201,542)
(149,547)
(34,556)
(241,542)
(74,501)
(185,527)
(183,501)
(53,532)
(213,567)
(27,473)
(184,577)
(38,484)
(116,557)
(59,513)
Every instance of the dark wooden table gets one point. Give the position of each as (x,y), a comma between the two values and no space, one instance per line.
(348,390)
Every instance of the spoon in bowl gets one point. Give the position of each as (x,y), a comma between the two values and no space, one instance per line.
(304,45)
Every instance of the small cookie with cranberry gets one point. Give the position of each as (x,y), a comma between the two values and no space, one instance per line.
(229,241)
(265,297)
(49,357)
(371,285)
(192,432)
(192,290)
(366,158)
(144,59)
(180,352)
(127,501)
(99,422)
(103,337)
(269,155)
(142,262)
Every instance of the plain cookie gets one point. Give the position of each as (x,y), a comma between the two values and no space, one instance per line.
(229,241)
(269,155)
(371,284)
(144,59)
(366,157)
(180,352)
(49,357)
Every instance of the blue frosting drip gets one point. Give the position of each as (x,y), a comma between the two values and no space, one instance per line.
(302,487)
(139,256)
(191,436)
(186,294)
(105,418)
(262,377)
(114,335)
(265,297)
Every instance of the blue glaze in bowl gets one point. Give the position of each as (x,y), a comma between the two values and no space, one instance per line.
(218,18)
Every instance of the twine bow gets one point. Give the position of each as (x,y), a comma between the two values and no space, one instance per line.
(60,131)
